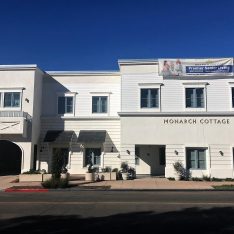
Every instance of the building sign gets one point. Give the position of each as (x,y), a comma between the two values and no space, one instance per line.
(191,121)
(196,67)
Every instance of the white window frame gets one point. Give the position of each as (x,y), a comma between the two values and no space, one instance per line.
(11,90)
(231,85)
(149,86)
(195,85)
(100,94)
(69,94)
(207,164)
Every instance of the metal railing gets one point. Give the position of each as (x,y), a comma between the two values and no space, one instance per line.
(15,114)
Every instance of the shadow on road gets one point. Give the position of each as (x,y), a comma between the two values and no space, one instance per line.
(192,220)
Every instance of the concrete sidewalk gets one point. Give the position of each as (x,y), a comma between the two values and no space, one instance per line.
(149,183)
(10,181)
(155,184)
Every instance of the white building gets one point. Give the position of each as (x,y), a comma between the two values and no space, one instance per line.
(150,114)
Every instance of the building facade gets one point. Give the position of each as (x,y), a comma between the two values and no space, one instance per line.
(150,113)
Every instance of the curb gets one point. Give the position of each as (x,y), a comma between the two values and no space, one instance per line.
(25,190)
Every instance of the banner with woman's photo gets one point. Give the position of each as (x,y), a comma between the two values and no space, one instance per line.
(196,67)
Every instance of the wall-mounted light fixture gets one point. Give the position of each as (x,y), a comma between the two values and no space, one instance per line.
(27,100)
(221,152)
(82,147)
(176,152)
(128,152)
(42,148)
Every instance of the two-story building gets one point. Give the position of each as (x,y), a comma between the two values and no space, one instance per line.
(150,113)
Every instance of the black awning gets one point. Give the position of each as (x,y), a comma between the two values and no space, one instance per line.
(58,136)
(92,136)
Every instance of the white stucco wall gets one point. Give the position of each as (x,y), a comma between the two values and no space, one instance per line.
(179,136)
(28,79)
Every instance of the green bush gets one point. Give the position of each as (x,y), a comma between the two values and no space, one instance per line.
(31,171)
(55,183)
(196,179)
(229,179)
(171,178)
(206,178)
(216,179)
(181,170)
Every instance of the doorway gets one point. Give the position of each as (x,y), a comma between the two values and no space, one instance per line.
(10,158)
(150,160)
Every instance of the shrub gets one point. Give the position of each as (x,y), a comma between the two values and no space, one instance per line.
(91,168)
(171,178)
(181,170)
(106,169)
(216,179)
(31,171)
(132,173)
(196,179)
(115,170)
(206,178)
(229,179)
(124,167)
(55,183)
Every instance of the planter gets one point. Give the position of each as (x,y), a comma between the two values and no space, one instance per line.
(113,176)
(177,177)
(46,177)
(125,176)
(30,177)
(89,176)
(64,175)
(103,176)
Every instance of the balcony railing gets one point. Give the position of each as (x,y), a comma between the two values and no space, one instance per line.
(15,114)
(14,122)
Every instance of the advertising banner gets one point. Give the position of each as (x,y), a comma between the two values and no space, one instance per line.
(196,67)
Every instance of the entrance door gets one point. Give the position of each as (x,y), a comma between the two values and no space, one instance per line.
(93,156)
(10,158)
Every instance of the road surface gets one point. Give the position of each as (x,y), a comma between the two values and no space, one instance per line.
(117,212)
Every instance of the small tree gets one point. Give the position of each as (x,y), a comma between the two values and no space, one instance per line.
(57,164)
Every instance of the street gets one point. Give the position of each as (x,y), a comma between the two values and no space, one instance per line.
(117,211)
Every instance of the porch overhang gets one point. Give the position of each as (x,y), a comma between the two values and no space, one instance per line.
(58,136)
(92,136)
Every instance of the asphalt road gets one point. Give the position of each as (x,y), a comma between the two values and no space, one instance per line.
(117,211)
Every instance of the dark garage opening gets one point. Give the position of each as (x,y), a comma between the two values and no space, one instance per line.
(10,158)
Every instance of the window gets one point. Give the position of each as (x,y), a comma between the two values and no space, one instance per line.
(11,99)
(92,156)
(194,97)
(99,104)
(196,159)
(162,156)
(65,105)
(232,97)
(149,98)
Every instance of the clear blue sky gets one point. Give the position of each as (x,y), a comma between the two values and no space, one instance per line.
(94,34)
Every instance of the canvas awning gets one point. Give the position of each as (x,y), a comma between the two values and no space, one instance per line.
(58,136)
(92,136)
